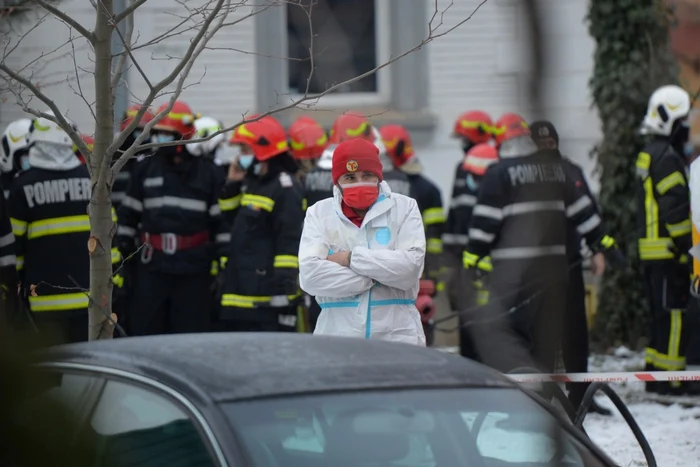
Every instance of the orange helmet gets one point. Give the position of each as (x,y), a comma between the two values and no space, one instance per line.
(479,158)
(398,143)
(266,137)
(475,125)
(351,125)
(510,125)
(130,114)
(179,120)
(307,138)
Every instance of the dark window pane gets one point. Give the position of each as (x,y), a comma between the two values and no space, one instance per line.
(344,44)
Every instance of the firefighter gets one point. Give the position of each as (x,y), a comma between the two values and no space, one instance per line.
(318,183)
(518,231)
(362,252)
(171,219)
(204,127)
(48,208)
(307,141)
(264,201)
(8,267)
(471,128)
(575,331)
(121,180)
(399,147)
(14,156)
(663,208)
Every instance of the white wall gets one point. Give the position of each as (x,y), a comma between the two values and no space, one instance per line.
(481,65)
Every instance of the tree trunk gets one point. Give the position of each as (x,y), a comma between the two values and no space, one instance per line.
(632,58)
(101,223)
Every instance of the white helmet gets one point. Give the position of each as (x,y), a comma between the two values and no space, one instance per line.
(205,126)
(13,140)
(43,130)
(325,162)
(667,105)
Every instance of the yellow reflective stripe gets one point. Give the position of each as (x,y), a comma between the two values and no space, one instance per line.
(644,161)
(482,297)
(440,286)
(434,246)
(433,216)
(214,269)
(676,178)
(246,301)
(59,226)
(114,214)
(20,263)
(663,361)
(677,230)
(69,301)
(469,260)
(286,261)
(651,210)
(655,249)
(258,202)
(116,256)
(222,261)
(118,280)
(19,227)
(304,204)
(674,338)
(229,204)
(485,264)
(607,242)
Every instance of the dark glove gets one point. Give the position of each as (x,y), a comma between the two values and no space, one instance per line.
(612,253)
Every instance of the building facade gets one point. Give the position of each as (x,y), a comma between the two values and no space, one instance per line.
(469,54)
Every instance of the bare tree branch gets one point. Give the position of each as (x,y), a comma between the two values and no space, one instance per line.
(119,17)
(67,19)
(79,93)
(120,66)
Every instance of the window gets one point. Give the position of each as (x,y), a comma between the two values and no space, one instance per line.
(138,427)
(428,428)
(348,38)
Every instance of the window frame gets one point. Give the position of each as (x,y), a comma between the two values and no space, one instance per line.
(148,384)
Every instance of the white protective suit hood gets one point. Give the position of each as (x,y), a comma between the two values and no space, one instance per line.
(373,298)
(52,156)
(517,147)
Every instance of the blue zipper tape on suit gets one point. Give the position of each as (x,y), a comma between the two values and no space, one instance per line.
(388,302)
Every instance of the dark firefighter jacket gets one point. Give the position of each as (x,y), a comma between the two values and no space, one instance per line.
(266,215)
(454,238)
(663,204)
(318,184)
(49,217)
(181,201)
(7,180)
(429,200)
(522,214)
(8,254)
(121,182)
(397,181)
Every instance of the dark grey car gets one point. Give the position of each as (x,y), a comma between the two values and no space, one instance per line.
(301,400)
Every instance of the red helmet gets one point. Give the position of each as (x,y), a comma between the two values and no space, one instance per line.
(479,158)
(89,142)
(131,114)
(307,138)
(510,126)
(266,137)
(179,120)
(475,125)
(398,143)
(351,125)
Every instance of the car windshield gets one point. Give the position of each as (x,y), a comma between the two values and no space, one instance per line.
(416,428)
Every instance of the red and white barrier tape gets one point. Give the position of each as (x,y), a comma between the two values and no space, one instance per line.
(647,376)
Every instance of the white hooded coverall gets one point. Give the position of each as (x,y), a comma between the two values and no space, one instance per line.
(374,297)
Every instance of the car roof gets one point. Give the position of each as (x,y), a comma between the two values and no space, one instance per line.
(238,366)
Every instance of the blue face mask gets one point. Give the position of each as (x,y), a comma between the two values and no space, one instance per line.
(246,161)
(163,138)
(24,163)
(689,149)
(471,183)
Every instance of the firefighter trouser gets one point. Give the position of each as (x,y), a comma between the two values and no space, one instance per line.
(521,325)
(465,302)
(170,303)
(575,333)
(314,313)
(62,327)
(667,288)
(262,319)
(693,324)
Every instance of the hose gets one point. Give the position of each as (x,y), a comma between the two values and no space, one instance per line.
(624,411)
(550,392)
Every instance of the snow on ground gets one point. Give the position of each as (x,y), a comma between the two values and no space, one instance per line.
(672,431)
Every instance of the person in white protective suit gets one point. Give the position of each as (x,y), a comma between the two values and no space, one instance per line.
(362,252)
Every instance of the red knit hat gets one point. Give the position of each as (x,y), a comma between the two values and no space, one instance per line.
(356,155)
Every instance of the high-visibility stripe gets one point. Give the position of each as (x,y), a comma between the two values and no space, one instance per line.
(126,231)
(679,229)
(664,361)
(655,249)
(488,211)
(532,206)
(258,202)
(462,201)
(246,301)
(19,227)
(434,246)
(20,263)
(304,204)
(175,202)
(223,238)
(229,204)
(62,302)
(480,235)
(8,260)
(454,239)
(528,252)
(676,178)
(59,226)
(116,256)
(286,261)
(433,216)
(579,205)
(6,240)
(132,203)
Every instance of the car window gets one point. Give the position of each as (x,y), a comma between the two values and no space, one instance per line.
(428,428)
(138,427)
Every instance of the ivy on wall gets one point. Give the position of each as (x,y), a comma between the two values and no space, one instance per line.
(632,58)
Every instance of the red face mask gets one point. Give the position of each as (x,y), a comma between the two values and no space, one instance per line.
(360,195)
